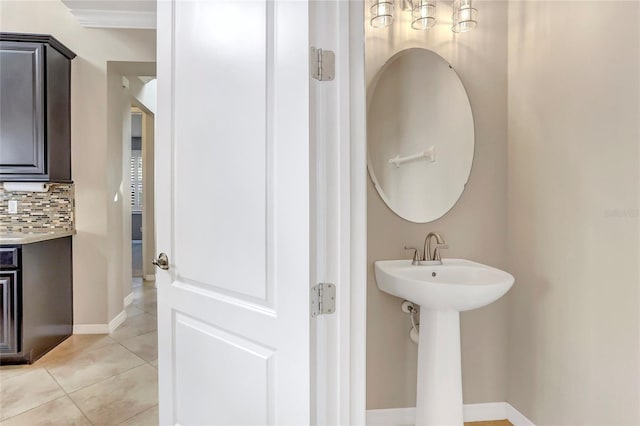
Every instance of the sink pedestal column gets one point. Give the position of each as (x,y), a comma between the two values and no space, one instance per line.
(439,397)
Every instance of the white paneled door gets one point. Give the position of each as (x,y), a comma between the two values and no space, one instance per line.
(232,197)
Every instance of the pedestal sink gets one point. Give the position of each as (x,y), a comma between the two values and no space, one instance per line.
(442,291)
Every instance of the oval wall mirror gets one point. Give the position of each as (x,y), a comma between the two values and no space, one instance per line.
(420,135)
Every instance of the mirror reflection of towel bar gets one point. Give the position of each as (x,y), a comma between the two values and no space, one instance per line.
(429,155)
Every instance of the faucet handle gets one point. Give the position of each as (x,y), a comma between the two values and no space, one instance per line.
(417,257)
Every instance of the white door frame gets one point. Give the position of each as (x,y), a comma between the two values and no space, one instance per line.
(341,178)
(357,254)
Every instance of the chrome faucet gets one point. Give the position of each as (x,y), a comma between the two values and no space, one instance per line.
(433,257)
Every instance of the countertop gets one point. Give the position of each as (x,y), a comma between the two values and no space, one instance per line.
(32,236)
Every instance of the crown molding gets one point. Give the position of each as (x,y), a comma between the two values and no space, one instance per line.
(91,18)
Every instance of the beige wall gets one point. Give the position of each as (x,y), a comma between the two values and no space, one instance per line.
(475,228)
(94,245)
(574,232)
(148,209)
(118,183)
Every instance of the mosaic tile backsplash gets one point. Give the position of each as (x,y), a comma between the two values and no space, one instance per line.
(38,211)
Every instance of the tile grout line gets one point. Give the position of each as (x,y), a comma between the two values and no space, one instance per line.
(56,382)
(131,352)
(143,411)
(148,362)
(82,351)
(138,335)
(66,395)
(80,409)
(107,378)
(104,378)
(38,406)
(101,381)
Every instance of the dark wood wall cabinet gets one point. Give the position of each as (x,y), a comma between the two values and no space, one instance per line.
(35,108)
(36,299)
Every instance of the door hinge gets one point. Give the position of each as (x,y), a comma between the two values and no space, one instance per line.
(323,299)
(323,64)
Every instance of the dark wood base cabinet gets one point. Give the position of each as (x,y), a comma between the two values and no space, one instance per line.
(36,300)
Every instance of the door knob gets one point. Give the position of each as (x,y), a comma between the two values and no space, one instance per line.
(162,261)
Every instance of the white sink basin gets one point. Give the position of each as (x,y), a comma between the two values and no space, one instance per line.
(456,285)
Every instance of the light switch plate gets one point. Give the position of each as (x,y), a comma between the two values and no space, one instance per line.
(13,206)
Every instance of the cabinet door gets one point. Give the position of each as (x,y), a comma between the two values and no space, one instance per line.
(9,312)
(22,138)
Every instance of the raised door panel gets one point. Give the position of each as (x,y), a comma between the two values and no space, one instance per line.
(22,138)
(9,312)
(225,146)
(242,371)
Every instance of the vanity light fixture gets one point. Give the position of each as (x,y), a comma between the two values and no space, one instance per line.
(423,14)
(381,13)
(464,16)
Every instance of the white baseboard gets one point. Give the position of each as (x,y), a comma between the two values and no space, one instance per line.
(391,417)
(484,412)
(517,418)
(128,299)
(117,321)
(100,328)
(149,277)
(472,413)
(91,329)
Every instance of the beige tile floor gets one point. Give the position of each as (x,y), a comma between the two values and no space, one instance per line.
(91,379)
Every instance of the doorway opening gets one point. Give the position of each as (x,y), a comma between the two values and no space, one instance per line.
(137,191)
(138,176)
